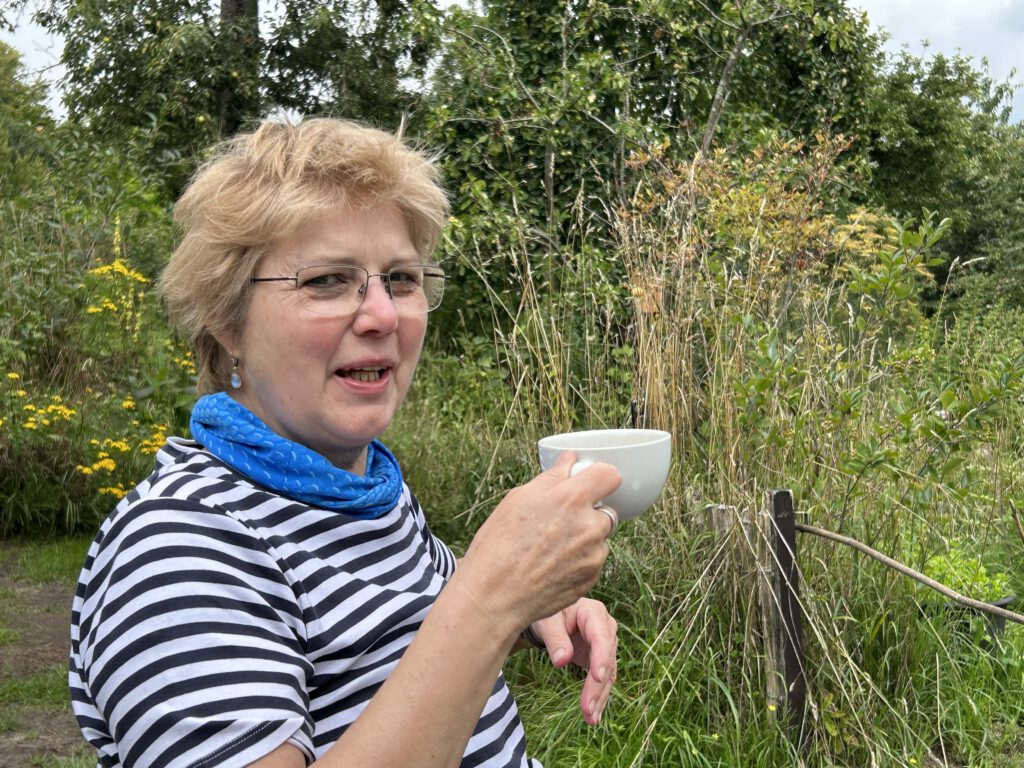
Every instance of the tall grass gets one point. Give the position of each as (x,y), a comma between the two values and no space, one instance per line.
(776,337)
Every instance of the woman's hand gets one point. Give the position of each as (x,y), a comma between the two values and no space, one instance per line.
(584,634)
(542,548)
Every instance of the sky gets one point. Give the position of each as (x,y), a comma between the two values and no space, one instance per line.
(993,29)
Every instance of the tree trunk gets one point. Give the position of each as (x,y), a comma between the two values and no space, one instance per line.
(722,91)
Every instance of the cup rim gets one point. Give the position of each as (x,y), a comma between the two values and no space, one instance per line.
(649,437)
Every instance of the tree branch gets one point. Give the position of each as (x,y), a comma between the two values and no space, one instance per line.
(977,605)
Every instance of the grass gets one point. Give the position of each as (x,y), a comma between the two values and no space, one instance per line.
(82,758)
(52,561)
(48,688)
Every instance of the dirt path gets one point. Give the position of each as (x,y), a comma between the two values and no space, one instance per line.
(34,620)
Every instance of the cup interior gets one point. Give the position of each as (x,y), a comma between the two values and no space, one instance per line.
(603,439)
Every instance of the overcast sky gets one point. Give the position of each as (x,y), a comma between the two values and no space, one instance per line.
(978,28)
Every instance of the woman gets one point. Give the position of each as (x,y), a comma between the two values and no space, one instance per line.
(272,595)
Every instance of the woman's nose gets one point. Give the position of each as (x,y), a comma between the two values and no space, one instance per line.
(377,310)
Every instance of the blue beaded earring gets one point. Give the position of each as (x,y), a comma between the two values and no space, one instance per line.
(236,380)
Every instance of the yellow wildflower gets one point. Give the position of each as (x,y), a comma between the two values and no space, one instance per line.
(13,376)
(120,445)
(28,407)
(21,393)
(46,422)
(108,304)
(94,441)
(128,404)
(61,411)
(118,266)
(56,399)
(106,464)
(91,310)
(772,708)
(29,425)
(84,470)
(117,493)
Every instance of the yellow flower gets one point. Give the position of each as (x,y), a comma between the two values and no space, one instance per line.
(93,310)
(13,376)
(117,493)
(21,393)
(61,411)
(128,404)
(84,470)
(94,441)
(107,464)
(772,708)
(29,425)
(714,736)
(120,445)
(56,399)
(28,407)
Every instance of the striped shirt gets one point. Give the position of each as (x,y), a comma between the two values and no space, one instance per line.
(215,620)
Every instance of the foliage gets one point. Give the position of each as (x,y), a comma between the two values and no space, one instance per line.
(176,76)
(936,141)
(90,375)
(25,124)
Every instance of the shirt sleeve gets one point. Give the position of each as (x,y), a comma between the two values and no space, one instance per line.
(191,641)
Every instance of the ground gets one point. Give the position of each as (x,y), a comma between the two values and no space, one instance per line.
(36,724)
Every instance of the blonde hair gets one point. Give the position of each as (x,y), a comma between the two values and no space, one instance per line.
(258,187)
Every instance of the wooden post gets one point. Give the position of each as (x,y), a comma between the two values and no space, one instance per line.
(788,632)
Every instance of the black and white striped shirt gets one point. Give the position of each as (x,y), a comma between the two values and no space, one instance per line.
(215,620)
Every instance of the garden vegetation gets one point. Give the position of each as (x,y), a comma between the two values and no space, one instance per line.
(741,222)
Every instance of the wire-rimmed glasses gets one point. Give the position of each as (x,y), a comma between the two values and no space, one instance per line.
(337,290)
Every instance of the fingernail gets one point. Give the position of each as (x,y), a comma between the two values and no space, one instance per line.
(602,674)
(595,713)
(597,717)
(557,655)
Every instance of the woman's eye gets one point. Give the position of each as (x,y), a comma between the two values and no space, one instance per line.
(404,279)
(331,280)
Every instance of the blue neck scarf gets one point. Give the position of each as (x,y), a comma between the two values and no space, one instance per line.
(238,437)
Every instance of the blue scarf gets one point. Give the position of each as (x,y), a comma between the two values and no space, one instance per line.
(238,437)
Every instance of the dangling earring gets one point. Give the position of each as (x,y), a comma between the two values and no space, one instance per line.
(236,380)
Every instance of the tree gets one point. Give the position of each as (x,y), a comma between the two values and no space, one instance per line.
(25,125)
(936,141)
(541,108)
(181,74)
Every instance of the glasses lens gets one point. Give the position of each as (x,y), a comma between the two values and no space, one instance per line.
(330,290)
(337,290)
(416,289)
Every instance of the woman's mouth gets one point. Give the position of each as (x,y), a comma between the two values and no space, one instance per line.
(362,374)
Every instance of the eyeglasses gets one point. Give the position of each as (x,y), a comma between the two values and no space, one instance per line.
(337,290)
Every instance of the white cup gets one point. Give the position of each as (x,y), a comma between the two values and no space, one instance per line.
(642,457)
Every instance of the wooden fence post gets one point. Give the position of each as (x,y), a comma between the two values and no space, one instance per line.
(785,617)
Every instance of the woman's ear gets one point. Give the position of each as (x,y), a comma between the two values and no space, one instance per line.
(228,342)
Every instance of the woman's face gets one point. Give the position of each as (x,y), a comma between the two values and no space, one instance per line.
(332,384)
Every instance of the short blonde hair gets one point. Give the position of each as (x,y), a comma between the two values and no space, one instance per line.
(261,186)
